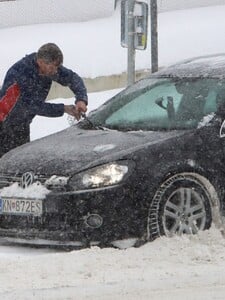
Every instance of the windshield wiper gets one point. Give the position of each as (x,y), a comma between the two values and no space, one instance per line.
(84,116)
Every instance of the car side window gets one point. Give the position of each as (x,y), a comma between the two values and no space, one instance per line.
(215,98)
(220,98)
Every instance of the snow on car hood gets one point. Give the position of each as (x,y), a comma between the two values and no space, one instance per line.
(74,149)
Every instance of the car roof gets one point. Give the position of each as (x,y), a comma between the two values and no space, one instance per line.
(209,66)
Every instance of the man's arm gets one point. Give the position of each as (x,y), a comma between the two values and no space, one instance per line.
(57,109)
(67,77)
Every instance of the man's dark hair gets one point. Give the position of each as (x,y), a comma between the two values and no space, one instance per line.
(50,52)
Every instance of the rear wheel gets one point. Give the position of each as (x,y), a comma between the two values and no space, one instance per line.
(181,205)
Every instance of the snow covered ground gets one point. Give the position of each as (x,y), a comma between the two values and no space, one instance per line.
(188,267)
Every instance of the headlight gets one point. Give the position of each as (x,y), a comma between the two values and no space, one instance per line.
(104,175)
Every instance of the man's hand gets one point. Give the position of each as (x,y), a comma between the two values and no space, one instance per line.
(80,108)
(76,110)
(70,110)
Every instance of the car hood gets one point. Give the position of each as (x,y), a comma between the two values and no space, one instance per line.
(74,149)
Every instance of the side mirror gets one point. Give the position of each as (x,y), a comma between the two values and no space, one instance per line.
(140,16)
(168,105)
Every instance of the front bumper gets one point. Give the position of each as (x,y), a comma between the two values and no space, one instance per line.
(65,215)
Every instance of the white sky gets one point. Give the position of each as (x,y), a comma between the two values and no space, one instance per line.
(190,267)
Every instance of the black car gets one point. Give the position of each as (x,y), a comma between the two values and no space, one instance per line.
(148,162)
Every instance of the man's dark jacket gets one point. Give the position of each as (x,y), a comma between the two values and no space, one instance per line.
(24,92)
(23,96)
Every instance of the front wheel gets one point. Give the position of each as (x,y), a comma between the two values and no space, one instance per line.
(181,205)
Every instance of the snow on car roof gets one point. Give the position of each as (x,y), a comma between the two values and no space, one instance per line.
(203,66)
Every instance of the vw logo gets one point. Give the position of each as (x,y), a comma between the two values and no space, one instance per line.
(27,179)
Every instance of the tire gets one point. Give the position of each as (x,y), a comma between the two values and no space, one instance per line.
(181,205)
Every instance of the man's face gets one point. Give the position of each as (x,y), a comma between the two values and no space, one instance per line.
(47,68)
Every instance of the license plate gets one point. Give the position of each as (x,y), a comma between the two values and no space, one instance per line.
(11,206)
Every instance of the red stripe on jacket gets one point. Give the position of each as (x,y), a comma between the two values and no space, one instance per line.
(8,101)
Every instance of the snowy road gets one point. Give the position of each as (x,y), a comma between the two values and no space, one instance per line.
(188,267)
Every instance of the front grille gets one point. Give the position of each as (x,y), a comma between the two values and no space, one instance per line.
(7,180)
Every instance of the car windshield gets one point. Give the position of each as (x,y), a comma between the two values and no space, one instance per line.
(161,104)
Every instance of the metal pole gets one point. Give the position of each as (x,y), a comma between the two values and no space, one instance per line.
(130,42)
(154,36)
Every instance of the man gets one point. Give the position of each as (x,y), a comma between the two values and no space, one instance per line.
(24,91)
